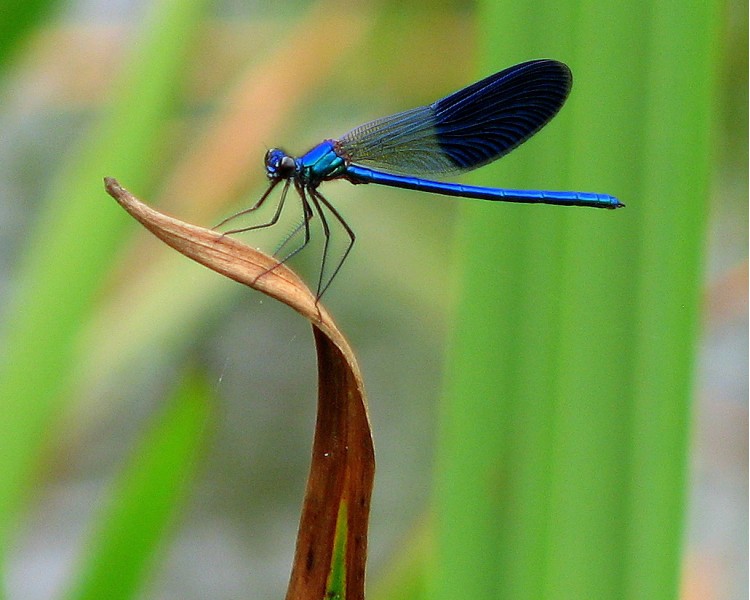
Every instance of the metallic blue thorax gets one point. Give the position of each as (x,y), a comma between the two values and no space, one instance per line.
(320,163)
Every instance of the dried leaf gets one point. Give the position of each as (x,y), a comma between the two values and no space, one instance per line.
(331,548)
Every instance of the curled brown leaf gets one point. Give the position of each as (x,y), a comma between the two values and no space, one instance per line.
(343,464)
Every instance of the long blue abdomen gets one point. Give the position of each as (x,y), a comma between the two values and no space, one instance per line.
(357,174)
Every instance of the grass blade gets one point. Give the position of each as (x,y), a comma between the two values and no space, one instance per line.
(69,251)
(145,499)
(562,464)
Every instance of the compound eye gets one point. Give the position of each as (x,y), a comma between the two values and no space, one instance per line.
(279,165)
(273,158)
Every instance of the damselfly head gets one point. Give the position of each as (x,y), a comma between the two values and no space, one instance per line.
(279,165)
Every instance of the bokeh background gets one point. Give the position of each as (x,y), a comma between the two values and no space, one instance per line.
(120,359)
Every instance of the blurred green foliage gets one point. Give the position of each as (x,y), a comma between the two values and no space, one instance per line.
(20,17)
(566,419)
(562,440)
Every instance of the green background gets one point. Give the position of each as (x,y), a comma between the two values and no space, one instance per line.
(532,371)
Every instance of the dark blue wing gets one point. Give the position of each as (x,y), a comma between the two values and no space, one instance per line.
(467,129)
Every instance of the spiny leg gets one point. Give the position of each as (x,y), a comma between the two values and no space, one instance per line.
(319,201)
(255,207)
(326,234)
(307,214)
(307,211)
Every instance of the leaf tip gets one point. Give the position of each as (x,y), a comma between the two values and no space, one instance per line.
(112,186)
